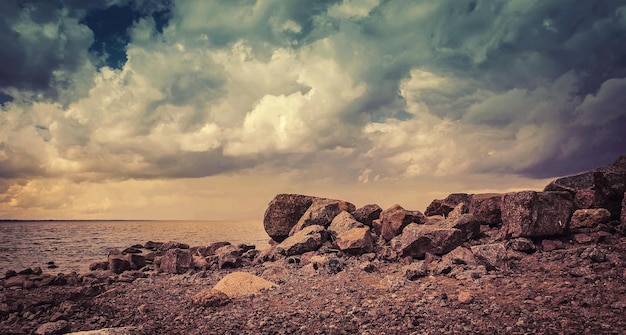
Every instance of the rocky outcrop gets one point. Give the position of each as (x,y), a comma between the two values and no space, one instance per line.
(535,214)
(241,284)
(283,213)
(394,219)
(321,213)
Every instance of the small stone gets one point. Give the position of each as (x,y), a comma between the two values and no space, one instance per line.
(465,297)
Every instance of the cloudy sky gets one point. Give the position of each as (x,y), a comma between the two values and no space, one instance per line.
(196,109)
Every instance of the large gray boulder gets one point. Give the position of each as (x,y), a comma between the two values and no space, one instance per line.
(535,214)
(308,239)
(283,213)
(417,240)
(321,213)
(394,219)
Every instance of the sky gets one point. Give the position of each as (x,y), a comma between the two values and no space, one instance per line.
(197,109)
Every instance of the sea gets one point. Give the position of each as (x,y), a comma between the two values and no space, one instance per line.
(73,245)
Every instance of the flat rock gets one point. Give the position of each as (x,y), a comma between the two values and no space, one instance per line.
(240,284)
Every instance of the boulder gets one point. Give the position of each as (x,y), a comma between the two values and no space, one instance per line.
(343,222)
(445,206)
(607,183)
(99,266)
(307,239)
(589,218)
(459,256)
(136,261)
(487,208)
(240,284)
(417,240)
(356,241)
(211,298)
(367,214)
(460,209)
(229,256)
(176,261)
(534,214)
(492,256)
(53,328)
(466,223)
(321,213)
(283,213)
(150,245)
(522,244)
(394,219)
(118,262)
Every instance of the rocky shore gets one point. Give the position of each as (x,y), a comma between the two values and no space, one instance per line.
(550,262)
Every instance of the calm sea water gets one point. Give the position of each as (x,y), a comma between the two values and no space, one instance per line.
(73,245)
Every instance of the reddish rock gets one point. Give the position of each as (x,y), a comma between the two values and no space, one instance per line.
(377,226)
(367,214)
(173,245)
(53,328)
(118,262)
(584,199)
(487,208)
(211,298)
(467,224)
(394,219)
(283,213)
(417,240)
(16,281)
(343,222)
(176,261)
(356,241)
(99,266)
(607,183)
(458,210)
(522,244)
(589,218)
(150,245)
(308,239)
(229,256)
(533,214)
(136,261)
(460,255)
(492,255)
(321,213)
(582,238)
(549,245)
(445,206)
